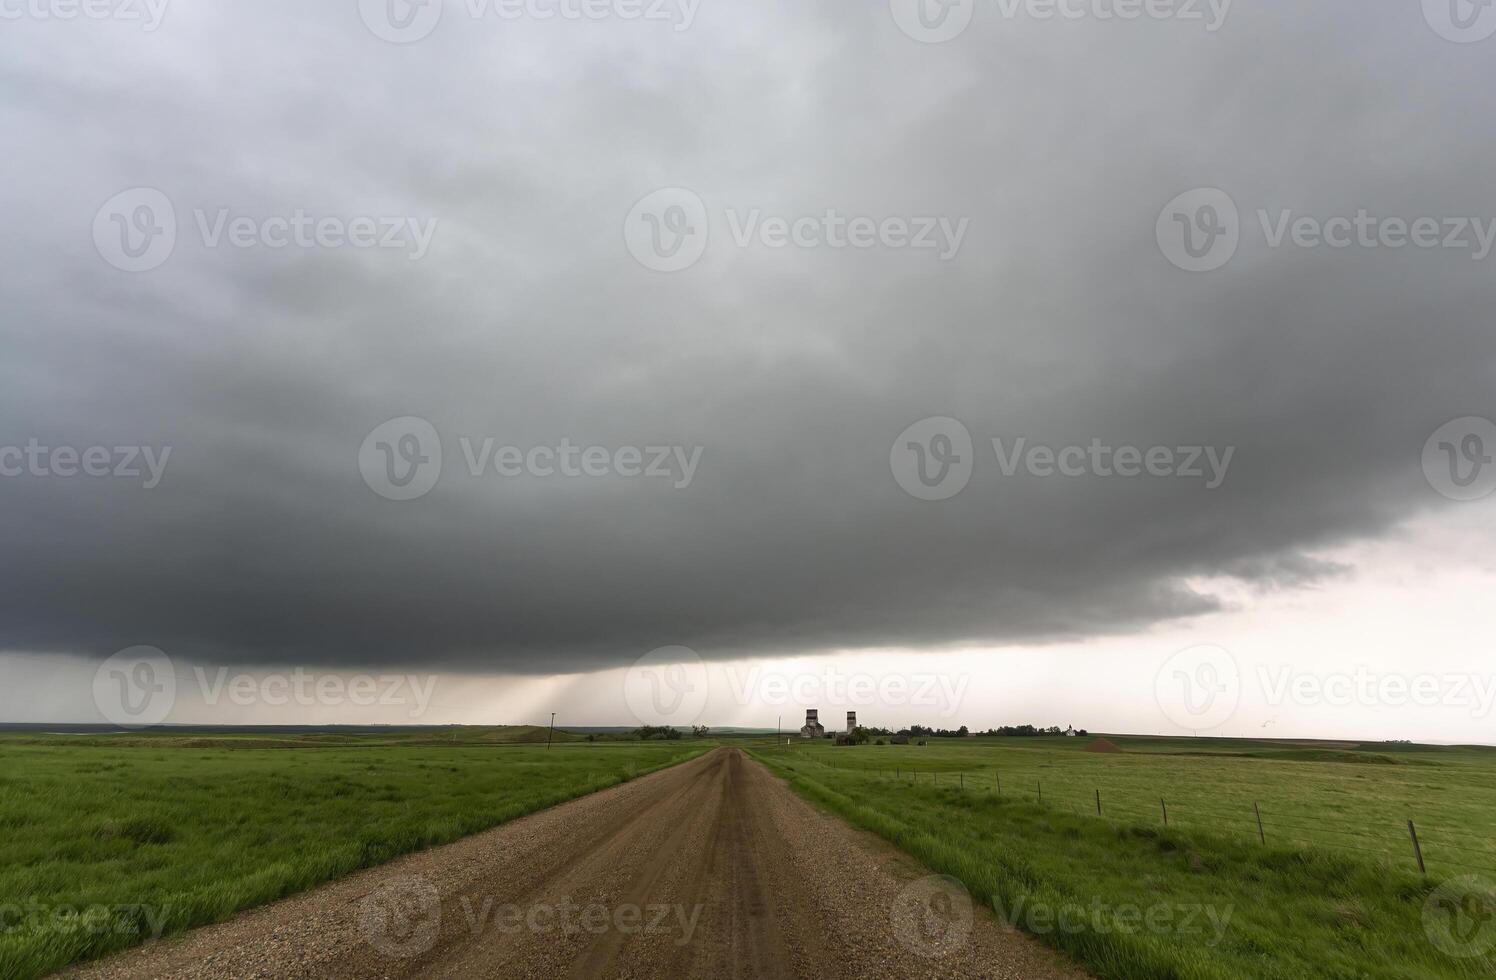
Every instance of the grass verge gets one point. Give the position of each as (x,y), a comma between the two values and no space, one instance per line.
(1143,902)
(102,848)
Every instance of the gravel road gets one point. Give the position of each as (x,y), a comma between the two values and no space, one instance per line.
(710,869)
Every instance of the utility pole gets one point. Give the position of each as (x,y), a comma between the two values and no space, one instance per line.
(551,732)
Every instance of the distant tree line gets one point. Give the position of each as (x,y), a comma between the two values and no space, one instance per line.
(920,731)
(646,732)
(668,732)
(1030,730)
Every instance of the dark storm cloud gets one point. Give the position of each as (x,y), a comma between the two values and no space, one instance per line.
(1059,320)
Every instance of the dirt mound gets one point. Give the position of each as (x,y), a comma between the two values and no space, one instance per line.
(1101,745)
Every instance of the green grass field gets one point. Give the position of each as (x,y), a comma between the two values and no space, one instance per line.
(1335,892)
(107,840)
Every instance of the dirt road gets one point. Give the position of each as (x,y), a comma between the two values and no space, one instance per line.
(710,869)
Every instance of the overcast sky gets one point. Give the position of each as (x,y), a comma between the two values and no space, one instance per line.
(491,347)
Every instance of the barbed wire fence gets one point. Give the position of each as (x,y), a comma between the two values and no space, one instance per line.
(1412,845)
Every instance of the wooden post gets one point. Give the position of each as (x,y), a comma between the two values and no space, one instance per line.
(1258,814)
(1417,851)
(1041,790)
(999,783)
(1098,802)
(1164,807)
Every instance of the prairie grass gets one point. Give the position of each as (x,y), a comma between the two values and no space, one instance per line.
(103,846)
(1223,905)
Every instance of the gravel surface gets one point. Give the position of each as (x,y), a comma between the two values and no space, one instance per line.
(713,868)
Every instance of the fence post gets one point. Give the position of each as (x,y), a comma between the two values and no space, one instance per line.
(1041,790)
(999,782)
(1417,851)
(1258,814)
(1164,807)
(1098,802)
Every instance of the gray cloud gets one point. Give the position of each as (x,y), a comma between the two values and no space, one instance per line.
(1059,320)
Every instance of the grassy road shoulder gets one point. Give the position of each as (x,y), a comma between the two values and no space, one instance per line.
(102,847)
(1132,902)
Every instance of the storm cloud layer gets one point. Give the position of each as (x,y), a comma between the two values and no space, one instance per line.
(522,144)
